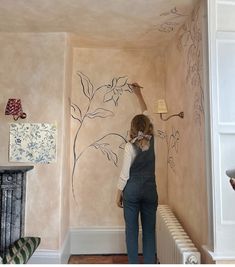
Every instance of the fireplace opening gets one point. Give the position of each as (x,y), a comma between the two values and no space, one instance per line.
(12,204)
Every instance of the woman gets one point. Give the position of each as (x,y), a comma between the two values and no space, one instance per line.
(137,186)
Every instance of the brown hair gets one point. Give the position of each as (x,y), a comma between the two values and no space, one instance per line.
(141,123)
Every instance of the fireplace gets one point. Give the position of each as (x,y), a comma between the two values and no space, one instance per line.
(12,204)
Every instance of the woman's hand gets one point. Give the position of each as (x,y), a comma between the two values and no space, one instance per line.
(119,199)
(136,88)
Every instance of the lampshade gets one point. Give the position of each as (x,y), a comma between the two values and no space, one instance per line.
(161,106)
(14,108)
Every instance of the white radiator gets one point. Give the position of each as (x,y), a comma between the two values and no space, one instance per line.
(173,244)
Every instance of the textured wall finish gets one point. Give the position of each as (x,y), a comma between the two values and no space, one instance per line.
(187,183)
(65,183)
(111,107)
(32,68)
(102,23)
(37,67)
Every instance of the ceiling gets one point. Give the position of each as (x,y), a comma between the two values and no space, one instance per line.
(99,23)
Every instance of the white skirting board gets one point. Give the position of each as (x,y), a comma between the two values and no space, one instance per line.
(85,241)
(52,256)
(97,241)
(45,257)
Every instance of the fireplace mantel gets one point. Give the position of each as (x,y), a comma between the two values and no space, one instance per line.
(12,204)
(10,169)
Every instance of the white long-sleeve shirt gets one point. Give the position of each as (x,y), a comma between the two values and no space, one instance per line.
(129,156)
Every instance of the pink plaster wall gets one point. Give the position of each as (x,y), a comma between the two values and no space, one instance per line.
(187,191)
(95,178)
(32,68)
(38,68)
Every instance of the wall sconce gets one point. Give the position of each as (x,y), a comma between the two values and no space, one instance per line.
(14,108)
(162,109)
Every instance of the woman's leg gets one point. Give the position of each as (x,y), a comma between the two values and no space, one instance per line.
(148,209)
(131,215)
(148,220)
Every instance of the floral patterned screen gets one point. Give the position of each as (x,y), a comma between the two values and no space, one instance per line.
(32,142)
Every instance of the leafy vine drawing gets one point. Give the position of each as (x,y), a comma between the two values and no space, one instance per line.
(189,41)
(172,21)
(172,142)
(173,18)
(111,93)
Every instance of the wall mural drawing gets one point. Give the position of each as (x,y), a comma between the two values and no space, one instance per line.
(172,142)
(111,93)
(172,19)
(189,42)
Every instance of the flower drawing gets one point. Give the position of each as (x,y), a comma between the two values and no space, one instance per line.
(111,93)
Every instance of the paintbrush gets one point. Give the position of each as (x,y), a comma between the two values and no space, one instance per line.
(135,85)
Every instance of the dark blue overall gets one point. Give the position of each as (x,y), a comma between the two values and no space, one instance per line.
(140,197)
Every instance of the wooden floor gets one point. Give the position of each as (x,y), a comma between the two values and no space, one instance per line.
(100,259)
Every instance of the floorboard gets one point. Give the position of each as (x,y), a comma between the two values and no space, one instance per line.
(100,259)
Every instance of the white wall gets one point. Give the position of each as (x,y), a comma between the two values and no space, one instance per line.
(221,31)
